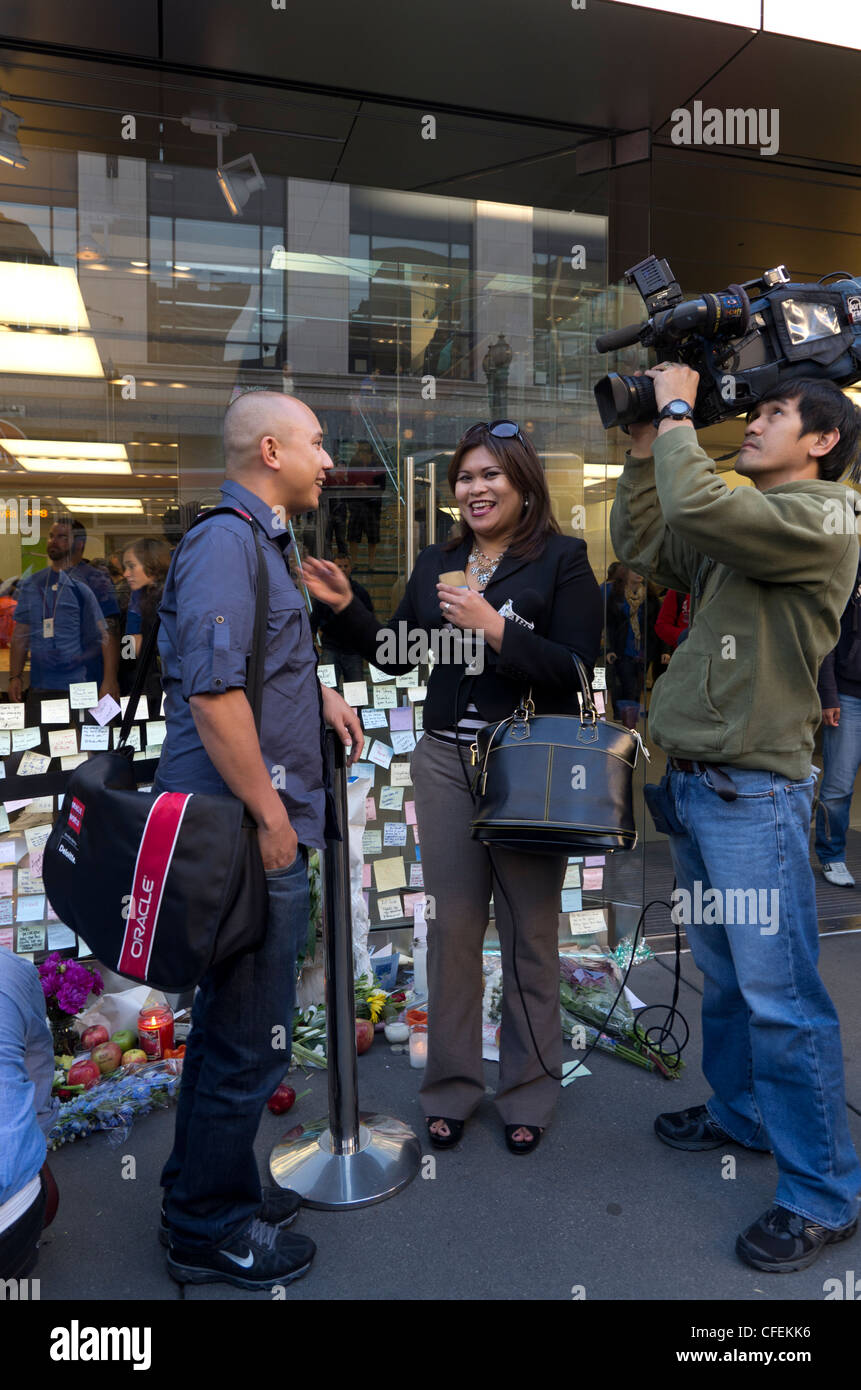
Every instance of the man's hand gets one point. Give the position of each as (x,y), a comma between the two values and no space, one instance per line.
(279,844)
(343,719)
(16,690)
(831,717)
(674,382)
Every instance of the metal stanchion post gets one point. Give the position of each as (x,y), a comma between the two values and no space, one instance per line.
(344,1159)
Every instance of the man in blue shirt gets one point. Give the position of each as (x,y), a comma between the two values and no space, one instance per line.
(26,1112)
(218,1227)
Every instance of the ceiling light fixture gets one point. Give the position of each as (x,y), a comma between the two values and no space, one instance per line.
(10,149)
(240,177)
(61,456)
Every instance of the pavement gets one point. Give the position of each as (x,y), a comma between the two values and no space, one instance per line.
(601,1204)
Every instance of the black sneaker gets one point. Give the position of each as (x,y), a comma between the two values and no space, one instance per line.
(781,1241)
(280,1207)
(694,1129)
(258,1258)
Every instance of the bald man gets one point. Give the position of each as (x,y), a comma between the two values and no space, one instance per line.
(218,1224)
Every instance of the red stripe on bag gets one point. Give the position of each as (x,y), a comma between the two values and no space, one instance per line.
(157,845)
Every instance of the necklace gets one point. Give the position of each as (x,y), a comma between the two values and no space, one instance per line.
(481,567)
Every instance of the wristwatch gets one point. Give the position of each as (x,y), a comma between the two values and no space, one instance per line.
(675,410)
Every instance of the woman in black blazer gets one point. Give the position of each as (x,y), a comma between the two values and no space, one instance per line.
(530,600)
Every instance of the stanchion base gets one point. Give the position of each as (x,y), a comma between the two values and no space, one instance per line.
(387,1158)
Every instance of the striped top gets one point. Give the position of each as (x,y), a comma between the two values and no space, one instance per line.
(466,730)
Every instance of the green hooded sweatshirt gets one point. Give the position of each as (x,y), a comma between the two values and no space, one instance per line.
(769,574)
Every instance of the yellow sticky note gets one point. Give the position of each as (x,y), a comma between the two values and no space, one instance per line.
(389,873)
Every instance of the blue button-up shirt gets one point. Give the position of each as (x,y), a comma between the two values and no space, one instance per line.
(205,640)
(26,1074)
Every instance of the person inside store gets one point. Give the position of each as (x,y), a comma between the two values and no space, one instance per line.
(66,619)
(839,688)
(736,715)
(28,1192)
(348,664)
(145,565)
(625,643)
(218,1224)
(513,556)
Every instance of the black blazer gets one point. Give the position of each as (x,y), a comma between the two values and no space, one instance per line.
(564,605)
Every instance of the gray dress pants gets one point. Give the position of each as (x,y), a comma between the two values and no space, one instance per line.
(457,876)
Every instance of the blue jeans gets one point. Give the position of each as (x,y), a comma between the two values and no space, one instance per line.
(771,1037)
(231,1068)
(841,754)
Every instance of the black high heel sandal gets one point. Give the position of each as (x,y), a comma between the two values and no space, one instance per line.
(523,1146)
(439,1141)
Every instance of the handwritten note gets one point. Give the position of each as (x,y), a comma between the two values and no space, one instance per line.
(61,742)
(374,718)
(11,716)
(326,676)
(94,739)
(356,692)
(400,718)
(26,738)
(399,775)
(404,742)
(389,873)
(385,696)
(391,798)
(83,694)
(105,710)
(380,753)
(407,679)
(372,841)
(30,939)
(55,712)
(390,907)
(32,764)
(394,833)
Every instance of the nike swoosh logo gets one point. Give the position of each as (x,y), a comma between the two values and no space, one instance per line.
(244,1263)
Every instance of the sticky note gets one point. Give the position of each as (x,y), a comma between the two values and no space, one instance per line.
(30,939)
(572,876)
(6,883)
(366,770)
(410,812)
(400,718)
(142,711)
(55,712)
(380,753)
(30,908)
(11,716)
(5,742)
(572,900)
(156,732)
(60,937)
(372,841)
(411,902)
(83,695)
(29,882)
(394,833)
(36,837)
(598,697)
(420,720)
(61,742)
(5,910)
(417,877)
(390,908)
(594,860)
(404,742)
(6,938)
(591,920)
(399,775)
(417,693)
(370,808)
(94,739)
(374,718)
(391,798)
(26,738)
(4,820)
(356,692)
(326,676)
(407,679)
(385,696)
(105,710)
(377,676)
(134,738)
(389,873)
(72,761)
(366,875)
(593,880)
(32,764)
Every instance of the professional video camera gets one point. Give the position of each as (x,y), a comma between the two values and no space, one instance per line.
(743,341)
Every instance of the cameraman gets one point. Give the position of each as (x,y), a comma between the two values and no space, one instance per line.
(769,574)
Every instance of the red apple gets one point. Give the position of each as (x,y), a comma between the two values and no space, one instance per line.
(107,1057)
(364,1034)
(281,1099)
(84,1073)
(93,1036)
(134,1057)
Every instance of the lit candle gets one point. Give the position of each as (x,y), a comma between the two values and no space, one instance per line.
(155,1030)
(418,1047)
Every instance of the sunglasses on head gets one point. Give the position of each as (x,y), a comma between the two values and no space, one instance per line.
(502,429)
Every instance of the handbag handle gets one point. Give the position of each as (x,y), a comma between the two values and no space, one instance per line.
(588,711)
(254,669)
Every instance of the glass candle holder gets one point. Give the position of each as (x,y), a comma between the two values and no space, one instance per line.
(418,1045)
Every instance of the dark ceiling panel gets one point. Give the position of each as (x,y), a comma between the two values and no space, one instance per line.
(105,25)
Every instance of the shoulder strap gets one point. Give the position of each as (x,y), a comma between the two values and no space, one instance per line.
(254,669)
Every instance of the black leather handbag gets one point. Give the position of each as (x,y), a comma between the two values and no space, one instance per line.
(556,783)
(161,886)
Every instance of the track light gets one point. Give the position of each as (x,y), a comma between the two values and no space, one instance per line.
(10,149)
(238,179)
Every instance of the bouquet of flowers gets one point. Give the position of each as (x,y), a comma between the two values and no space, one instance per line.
(116,1101)
(66,985)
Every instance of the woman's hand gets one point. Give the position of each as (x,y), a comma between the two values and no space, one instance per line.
(472,612)
(327,583)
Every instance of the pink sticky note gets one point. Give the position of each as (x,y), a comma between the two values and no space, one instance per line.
(410,812)
(370,808)
(6,937)
(401,717)
(410,900)
(593,879)
(416,833)
(366,875)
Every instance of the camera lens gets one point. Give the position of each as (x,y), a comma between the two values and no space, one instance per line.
(625,400)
